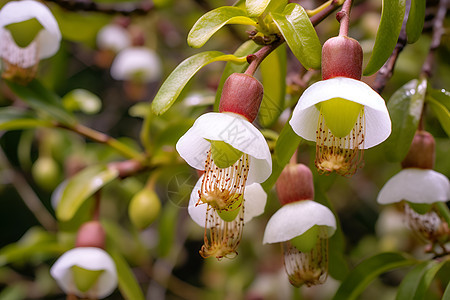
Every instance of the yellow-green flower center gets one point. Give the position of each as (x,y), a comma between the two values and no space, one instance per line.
(340,115)
(307,240)
(85,279)
(229,214)
(24,32)
(223,154)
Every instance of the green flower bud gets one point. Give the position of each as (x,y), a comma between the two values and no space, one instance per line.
(144,208)
(46,172)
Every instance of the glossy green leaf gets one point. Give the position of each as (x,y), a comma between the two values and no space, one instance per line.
(360,277)
(416,18)
(128,285)
(273,72)
(442,96)
(82,186)
(255,8)
(215,19)
(410,283)
(427,278)
(177,80)
(300,35)
(12,118)
(441,113)
(405,107)
(167,228)
(446,295)
(41,99)
(245,49)
(388,31)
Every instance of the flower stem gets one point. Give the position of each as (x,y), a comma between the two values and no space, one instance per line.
(343,17)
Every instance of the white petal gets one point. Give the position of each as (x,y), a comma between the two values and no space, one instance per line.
(294,219)
(18,11)
(255,202)
(416,186)
(113,37)
(89,258)
(305,116)
(136,60)
(237,132)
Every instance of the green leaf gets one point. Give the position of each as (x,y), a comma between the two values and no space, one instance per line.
(446,295)
(360,277)
(410,283)
(300,35)
(177,80)
(12,118)
(167,228)
(427,278)
(388,31)
(442,96)
(82,186)
(405,107)
(215,19)
(41,99)
(441,113)
(416,18)
(273,72)
(245,49)
(128,285)
(255,8)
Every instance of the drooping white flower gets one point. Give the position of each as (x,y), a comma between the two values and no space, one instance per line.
(113,37)
(137,64)
(46,43)
(344,116)
(90,259)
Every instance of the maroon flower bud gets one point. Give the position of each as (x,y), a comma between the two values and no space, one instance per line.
(242,94)
(91,234)
(421,153)
(342,56)
(295,184)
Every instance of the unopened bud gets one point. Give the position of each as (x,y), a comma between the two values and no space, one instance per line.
(91,234)
(242,94)
(144,208)
(295,184)
(342,56)
(421,154)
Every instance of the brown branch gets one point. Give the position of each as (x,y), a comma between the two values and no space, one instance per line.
(343,18)
(126,8)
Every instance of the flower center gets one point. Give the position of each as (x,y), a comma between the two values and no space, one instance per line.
(224,237)
(24,32)
(306,241)
(85,279)
(342,154)
(222,187)
(223,154)
(340,115)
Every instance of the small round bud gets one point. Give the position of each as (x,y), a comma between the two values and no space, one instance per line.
(144,208)
(242,94)
(295,184)
(91,234)
(46,172)
(421,153)
(342,56)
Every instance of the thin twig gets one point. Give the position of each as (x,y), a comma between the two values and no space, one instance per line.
(126,8)
(343,18)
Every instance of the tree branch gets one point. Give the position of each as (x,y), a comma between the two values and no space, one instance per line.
(125,8)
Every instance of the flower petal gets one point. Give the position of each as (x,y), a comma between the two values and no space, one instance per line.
(237,132)
(255,202)
(113,37)
(135,60)
(18,11)
(416,186)
(89,258)
(294,219)
(305,116)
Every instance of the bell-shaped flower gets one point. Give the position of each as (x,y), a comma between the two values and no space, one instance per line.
(225,227)
(87,272)
(304,228)
(113,37)
(28,33)
(344,116)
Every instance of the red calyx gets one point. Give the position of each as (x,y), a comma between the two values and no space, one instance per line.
(91,234)
(242,94)
(342,56)
(421,153)
(295,184)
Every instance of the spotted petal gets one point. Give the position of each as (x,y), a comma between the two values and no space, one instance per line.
(254,196)
(294,219)
(305,117)
(416,186)
(18,11)
(89,258)
(136,61)
(231,129)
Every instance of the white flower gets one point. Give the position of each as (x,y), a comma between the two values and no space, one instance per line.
(415,186)
(342,115)
(89,258)
(295,218)
(113,37)
(45,44)
(137,63)
(255,201)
